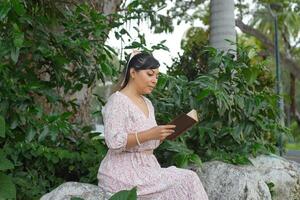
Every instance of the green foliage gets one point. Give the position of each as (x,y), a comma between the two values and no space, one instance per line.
(192,62)
(48,51)
(46,167)
(236,104)
(149,10)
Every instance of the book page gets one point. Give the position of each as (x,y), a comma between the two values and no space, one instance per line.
(193,114)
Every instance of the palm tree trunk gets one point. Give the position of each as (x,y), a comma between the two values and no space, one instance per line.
(222,25)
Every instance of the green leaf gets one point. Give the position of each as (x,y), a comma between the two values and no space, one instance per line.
(134,45)
(177,147)
(60,60)
(66,115)
(236,133)
(251,53)
(204,93)
(195,159)
(124,31)
(7,187)
(30,135)
(132,194)
(76,198)
(106,69)
(117,35)
(162,81)
(4,9)
(14,54)
(18,39)
(5,163)
(2,127)
(18,7)
(44,133)
(251,75)
(125,195)
(181,159)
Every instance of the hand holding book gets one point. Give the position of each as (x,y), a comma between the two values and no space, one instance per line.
(183,122)
(159,132)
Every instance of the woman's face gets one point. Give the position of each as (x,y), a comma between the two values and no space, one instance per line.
(144,80)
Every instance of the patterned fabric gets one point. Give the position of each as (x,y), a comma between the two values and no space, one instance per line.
(126,168)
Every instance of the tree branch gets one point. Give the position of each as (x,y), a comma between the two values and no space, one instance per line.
(297,117)
(290,64)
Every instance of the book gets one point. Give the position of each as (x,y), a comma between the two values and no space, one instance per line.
(183,122)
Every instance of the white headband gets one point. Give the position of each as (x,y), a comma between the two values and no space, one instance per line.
(134,52)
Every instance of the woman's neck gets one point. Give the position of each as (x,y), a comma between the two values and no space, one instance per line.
(131,91)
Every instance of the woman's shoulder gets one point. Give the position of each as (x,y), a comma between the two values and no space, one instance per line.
(115,98)
(115,103)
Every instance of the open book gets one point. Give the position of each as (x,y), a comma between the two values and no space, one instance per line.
(183,122)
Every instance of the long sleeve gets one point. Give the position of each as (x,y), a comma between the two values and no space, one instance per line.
(114,117)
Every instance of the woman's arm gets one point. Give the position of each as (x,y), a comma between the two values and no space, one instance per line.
(155,133)
(132,141)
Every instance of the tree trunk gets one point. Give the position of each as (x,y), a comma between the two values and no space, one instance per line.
(293,95)
(222,25)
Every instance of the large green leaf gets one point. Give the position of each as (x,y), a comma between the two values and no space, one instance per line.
(7,187)
(125,195)
(2,127)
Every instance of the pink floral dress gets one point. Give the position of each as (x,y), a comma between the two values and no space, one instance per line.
(126,168)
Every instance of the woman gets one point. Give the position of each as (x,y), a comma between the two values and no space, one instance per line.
(131,134)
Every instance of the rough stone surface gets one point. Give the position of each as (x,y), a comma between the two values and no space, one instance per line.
(222,181)
(225,181)
(73,189)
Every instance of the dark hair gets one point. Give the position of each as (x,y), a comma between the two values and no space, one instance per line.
(140,61)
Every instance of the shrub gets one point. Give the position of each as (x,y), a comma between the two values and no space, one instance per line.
(237,108)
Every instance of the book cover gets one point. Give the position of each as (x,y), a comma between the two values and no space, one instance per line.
(183,122)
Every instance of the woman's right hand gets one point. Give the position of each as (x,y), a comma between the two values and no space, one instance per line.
(161,132)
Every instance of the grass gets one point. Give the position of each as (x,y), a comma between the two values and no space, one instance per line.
(293,146)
